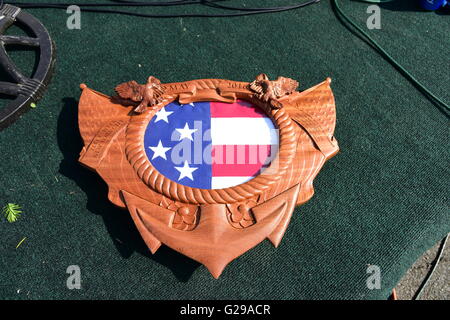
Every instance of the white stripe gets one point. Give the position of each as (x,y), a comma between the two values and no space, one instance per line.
(225,182)
(239,131)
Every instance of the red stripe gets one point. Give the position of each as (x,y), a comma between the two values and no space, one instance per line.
(239,109)
(239,160)
(236,170)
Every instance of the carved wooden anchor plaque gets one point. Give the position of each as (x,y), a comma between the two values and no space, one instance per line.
(209,167)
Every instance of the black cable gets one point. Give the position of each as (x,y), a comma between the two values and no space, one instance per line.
(89,7)
(113,3)
(254,9)
(433,268)
(443,106)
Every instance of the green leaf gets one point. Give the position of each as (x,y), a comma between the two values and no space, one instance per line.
(12,212)
(33,105)
(21,241)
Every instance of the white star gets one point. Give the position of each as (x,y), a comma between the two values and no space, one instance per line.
(186,132)
(159,151)
(186,171)
(162,115)
(190,104)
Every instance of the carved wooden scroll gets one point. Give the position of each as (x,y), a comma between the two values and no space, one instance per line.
(130,141)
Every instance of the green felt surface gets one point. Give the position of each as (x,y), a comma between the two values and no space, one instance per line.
(382,200)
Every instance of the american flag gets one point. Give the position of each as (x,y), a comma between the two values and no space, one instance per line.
(210,145)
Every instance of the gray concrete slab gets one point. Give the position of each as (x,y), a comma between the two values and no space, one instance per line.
(438,287)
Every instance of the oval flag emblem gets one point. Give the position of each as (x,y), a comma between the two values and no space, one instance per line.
(211,145)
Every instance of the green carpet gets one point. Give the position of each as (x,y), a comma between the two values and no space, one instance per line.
(383,200)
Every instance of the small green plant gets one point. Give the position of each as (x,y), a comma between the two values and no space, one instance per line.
(12,212)
(33,105)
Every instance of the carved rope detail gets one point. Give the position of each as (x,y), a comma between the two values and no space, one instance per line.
(135,152)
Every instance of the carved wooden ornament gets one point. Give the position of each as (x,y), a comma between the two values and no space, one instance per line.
(209,167)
